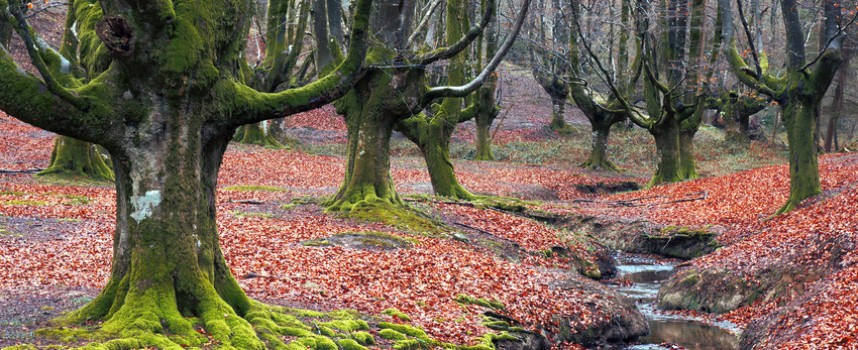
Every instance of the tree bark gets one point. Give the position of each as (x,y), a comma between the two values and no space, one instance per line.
(668,147)
(598,159)
(258,134)
(77,159)
(484,120)
(167,262)
(370,116)
(558,114)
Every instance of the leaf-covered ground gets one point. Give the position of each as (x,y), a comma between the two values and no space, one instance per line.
(55,237)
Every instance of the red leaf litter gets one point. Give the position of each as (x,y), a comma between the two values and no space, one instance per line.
(822,234)
(61,236)
(422,281)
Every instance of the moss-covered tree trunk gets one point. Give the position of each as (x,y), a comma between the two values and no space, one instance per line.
(558,113)
(484,134)
(77,159)
(258,134)
(688,164)
(434,144)
(800,122)
(598,159)
(370,120)
(729,109)
(167,263)
(667,143)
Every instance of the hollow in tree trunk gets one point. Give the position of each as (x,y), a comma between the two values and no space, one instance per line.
(77,159)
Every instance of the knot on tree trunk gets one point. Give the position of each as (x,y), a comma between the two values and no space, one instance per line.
(117,35)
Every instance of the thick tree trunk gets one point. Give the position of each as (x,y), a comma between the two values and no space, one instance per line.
(688,164)
(77,159)
(367,180)
(667,144)
(484,136)
(558,113)
(435,146)
(731,111)
(799,119)
(167,263)
(598,159)
(258,134)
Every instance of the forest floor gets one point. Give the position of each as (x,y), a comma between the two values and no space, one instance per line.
(56,236)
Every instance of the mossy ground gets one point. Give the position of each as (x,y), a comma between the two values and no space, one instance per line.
(276,327)
(368,240)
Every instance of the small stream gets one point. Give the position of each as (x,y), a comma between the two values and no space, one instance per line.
(646,274)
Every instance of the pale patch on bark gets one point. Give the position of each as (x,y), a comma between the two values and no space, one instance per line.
(143,205)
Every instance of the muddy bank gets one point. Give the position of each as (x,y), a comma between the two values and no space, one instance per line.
(640,236)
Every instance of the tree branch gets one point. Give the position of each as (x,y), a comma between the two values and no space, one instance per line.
(473,85)
(450,51)
(255,106)
(15,10)
(417,30)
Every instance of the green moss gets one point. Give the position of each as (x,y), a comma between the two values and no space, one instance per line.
(350,344)
(363,338)
(397,314)
(469,300)
(391,334)
(316,243)
(407,344)
(245,214)
(405,329)
(399,216)
(254,188)
(17,202)
(347,326)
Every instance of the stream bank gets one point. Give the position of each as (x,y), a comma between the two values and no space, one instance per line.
(639,278)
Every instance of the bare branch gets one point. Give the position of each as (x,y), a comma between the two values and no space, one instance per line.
(467,39)
(473,85)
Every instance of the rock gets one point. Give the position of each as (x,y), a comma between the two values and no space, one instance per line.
(624,323)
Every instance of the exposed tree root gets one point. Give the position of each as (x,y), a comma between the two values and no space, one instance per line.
(155,325)
(600,164)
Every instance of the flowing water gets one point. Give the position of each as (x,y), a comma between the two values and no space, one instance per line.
(642,277)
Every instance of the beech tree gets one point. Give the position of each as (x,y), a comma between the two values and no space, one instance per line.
(548,64)
(603,110)
(798,90)
(171,95)
(673,73)
(393,89)
(485,102)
